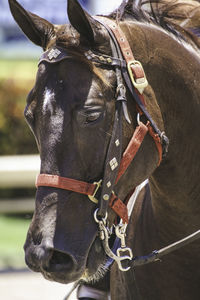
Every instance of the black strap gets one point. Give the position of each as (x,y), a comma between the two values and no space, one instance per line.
(113,157)
(112,162)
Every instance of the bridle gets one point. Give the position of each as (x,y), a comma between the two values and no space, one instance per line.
(130,72)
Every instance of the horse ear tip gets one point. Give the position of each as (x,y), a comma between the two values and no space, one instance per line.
(12,1)
(72,2)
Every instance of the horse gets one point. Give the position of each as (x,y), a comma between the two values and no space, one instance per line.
(75,118)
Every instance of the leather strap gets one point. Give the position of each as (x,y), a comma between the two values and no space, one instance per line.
(119,208)
(65,184)
(81,187)
(113,161)
(125,47)
(115,203)
(138,74)
(157,141)
(132,148)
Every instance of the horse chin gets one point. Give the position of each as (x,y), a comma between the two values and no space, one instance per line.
(61,274)
(87,276)
(59,277)
(95,266)
(95,277)
(91,269)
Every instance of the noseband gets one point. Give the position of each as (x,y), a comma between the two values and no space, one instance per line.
(128,71)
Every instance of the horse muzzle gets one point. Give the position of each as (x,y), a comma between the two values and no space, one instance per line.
(53,263)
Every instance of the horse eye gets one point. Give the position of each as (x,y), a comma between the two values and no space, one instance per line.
(29,112)
(85,117)
(92,117)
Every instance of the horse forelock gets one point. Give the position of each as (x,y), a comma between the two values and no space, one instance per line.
(69,39)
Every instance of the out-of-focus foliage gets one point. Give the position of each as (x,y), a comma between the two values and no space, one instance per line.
(12,237)
(15,83)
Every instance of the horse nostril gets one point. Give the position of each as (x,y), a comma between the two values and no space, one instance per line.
(44,255)
(38,256)
(61,262)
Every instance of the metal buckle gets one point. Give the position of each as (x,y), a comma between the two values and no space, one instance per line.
(139,83)
(125,257)
(92,197)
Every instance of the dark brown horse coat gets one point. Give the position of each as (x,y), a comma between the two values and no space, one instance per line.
(171,213)
(62,241)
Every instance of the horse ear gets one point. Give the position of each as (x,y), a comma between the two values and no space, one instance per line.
(81,20)
(37,29)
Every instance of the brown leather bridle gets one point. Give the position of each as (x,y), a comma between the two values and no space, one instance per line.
(90,189)
(131,71)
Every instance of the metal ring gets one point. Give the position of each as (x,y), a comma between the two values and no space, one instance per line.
(99,220)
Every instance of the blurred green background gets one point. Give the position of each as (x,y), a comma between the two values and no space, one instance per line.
(12,237)
(16,80)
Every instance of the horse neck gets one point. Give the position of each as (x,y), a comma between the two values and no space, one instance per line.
(172,68)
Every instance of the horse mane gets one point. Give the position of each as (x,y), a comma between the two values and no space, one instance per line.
(166,14)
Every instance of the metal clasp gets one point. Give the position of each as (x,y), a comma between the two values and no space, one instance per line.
(104,237)
(141,82)
(120,231)
(92,197)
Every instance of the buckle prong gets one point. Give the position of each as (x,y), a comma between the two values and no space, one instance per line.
(92,197)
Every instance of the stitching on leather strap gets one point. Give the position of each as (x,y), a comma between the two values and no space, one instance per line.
(119,208)
(65,183)
(121,38)
(132,148)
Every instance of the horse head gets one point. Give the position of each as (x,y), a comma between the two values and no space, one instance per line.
(70,111)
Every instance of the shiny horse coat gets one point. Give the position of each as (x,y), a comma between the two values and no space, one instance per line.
(71,111)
